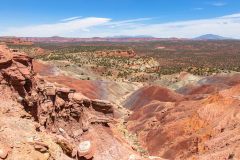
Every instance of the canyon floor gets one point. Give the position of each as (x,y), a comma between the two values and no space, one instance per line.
(56,107)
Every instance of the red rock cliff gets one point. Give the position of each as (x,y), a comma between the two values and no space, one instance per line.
(78,125)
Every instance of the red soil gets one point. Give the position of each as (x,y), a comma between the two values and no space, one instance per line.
(90,89)
(147,94)
(43,69)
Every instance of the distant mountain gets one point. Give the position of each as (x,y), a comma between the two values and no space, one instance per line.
(57,39)
(138,36)
(211,37)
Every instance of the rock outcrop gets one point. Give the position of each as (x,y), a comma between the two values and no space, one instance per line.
(77,126)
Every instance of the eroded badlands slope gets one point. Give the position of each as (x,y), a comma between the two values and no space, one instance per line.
(201,123)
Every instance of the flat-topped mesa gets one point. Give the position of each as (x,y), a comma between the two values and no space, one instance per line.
(15,41)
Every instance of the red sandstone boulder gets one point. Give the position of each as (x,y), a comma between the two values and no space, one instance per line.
(50,90)
(102,106)
(65,90)
(80,99)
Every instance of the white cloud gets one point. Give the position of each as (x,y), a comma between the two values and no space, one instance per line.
(218,4)
(130,22)
(237,15)
(62,28)
(227,26)
(70,19)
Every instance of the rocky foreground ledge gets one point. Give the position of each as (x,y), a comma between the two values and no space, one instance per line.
(39,120)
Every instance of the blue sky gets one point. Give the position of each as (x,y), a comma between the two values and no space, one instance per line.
(106,18)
